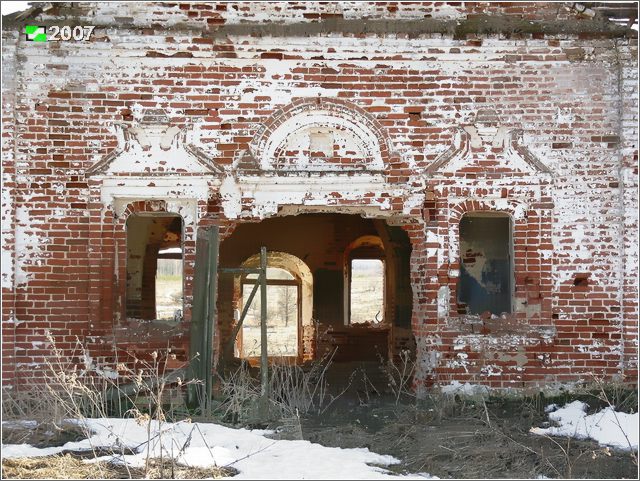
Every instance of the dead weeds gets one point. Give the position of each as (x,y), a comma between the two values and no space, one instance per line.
(67,466)
(43,435)
(59,467)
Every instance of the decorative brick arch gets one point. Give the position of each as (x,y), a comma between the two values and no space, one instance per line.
(305,112)
(140,206)
(472,205)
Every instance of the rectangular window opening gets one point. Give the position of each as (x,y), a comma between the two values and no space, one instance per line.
(154,267)
(169,284)
(486,268)
(366,291)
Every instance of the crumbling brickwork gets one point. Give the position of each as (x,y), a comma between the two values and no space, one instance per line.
(410,114)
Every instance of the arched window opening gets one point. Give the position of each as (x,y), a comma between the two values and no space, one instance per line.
(318,248)
(283,315)
(154,267)
(289,309)
(486,264)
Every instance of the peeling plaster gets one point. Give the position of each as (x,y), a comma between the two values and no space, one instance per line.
(444,296)
(353,137)
(182,195)
(8,268)
(266,194)
(30,240)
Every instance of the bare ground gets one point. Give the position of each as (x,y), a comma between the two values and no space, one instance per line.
(463,439)
(445,436)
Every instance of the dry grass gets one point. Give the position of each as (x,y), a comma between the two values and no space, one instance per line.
(294,391)
(168,296)
(74,390)
(41,435)
(58,467)
(367,293)
(36,418)
(70,467)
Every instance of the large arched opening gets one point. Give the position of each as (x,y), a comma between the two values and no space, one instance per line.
(316,256)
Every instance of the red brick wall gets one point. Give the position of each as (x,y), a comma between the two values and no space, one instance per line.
(570,88)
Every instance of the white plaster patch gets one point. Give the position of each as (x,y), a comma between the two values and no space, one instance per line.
(107,372)
(491,370)
(480,342)
(231,198)
(413,202)
(578,236)
(444,294)
(7,268)
(446,12)
(460,361)
(7,271)
(118,192)
(268,194)
(563,115)
(428,357)
(432,238)
(154,148)
(30,240)
(459,343)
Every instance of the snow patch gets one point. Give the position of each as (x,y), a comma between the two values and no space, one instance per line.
(253,454)
(456,387)
(608,427)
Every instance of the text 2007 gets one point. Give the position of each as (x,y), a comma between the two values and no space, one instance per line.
(67,32)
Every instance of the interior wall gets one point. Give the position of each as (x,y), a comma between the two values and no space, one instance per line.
(399,289)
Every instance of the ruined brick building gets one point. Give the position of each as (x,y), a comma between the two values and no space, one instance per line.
(457,180)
